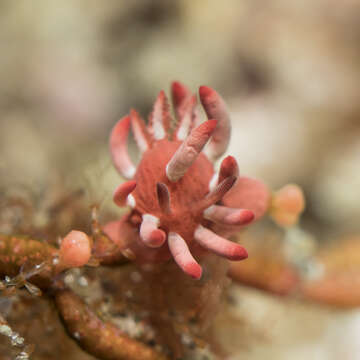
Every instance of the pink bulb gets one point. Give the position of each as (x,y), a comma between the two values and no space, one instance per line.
(75,250)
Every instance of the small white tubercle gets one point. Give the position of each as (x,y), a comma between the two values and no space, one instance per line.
(131,201)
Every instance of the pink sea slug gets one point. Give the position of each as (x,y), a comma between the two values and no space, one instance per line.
(181,207)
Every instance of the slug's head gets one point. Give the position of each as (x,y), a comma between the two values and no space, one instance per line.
(178,201)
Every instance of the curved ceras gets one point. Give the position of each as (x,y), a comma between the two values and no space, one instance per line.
(174,192)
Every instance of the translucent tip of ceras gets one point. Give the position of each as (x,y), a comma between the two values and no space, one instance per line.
(189,150)
(228,167)
(149,232)
(229,216)
(163,196)
(216,194)
(122,192)
(182,255)
(118,148)
(215,108)
(218,245)
(160,117)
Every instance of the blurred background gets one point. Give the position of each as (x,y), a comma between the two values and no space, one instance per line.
(289,71)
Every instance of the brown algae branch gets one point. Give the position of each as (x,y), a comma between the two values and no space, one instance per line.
(101,339)
(17,252)
(76,250)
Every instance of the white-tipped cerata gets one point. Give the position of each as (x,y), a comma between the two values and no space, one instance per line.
(122,192)
(187,118)
(228,167)
(118,148)
(218,245)
(216,194)
(160,117)
(139,129)
(189,150)
(215,108)
(149,232)
(228,216)
(182,255)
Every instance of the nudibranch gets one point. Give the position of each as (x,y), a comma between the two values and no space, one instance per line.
(181,207)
